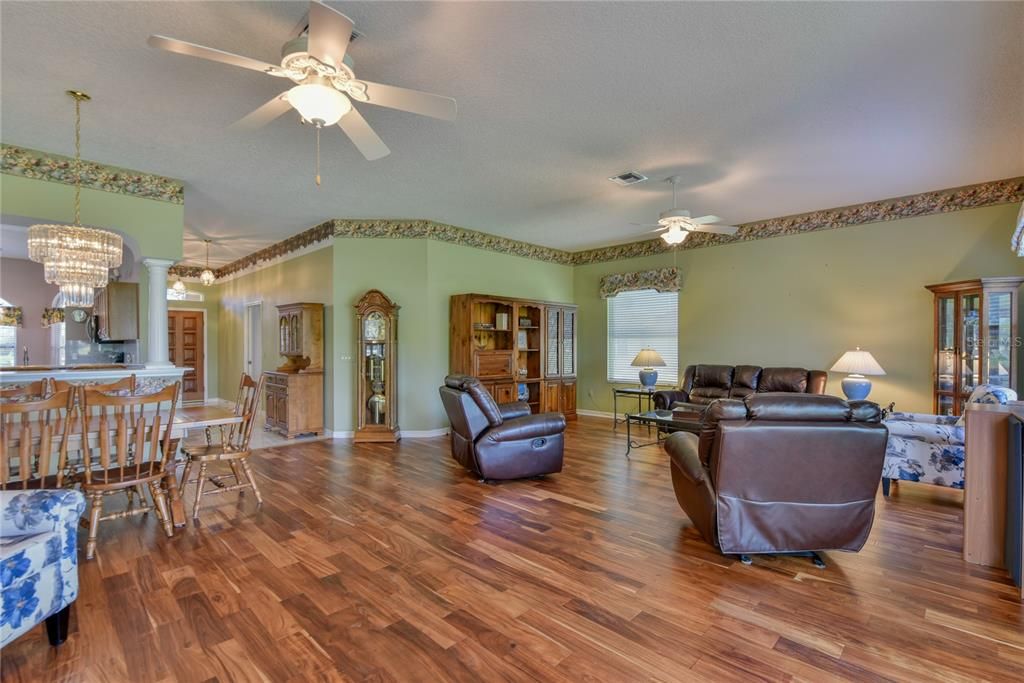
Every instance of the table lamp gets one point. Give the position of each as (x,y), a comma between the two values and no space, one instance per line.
(648,359)
(856,364)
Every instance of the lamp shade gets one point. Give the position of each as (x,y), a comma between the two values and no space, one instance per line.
(648,358)
(858,362)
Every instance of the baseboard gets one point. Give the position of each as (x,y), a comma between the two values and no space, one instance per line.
(406,434)
(595,413)
(424,433)
(221,402)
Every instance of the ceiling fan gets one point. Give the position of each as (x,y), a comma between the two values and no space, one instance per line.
(678,224)
(324,82)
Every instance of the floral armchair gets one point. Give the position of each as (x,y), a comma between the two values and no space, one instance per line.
(930,448)
(38,560)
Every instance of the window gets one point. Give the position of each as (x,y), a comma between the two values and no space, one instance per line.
(8,345)
(8,342)
(187,295)
(638,320)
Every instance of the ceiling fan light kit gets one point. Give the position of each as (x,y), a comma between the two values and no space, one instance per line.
(318,102)
(325,84)
(676,224)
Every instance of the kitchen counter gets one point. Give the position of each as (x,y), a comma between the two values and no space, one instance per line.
(89,373)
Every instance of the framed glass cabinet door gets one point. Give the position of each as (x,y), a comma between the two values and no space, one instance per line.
(998,357)
(970,344)
(946,354)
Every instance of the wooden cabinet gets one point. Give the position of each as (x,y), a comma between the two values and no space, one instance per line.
(116,308)
(295,402)
(295,393)
(520,349)
(300,336)
(975,338)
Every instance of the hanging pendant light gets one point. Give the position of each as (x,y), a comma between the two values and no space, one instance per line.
(76,258)
(178,286)
(207,277)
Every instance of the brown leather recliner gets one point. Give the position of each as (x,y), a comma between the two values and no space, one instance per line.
(703,384)
(500,441)
(781,473)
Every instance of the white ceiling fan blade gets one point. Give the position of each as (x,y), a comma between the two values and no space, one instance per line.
(415,101)
(657,229)
(362,136)
(705,219)
(192,50)
(329,34)
(718,229)
(262,115)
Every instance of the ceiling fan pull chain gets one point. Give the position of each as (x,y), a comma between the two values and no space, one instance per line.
(318,156)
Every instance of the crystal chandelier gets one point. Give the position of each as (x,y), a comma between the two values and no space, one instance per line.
(75,258)
(207,277)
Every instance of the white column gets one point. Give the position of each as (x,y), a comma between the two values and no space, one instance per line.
(156,344)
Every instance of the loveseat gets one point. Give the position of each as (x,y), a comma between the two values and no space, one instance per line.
(703,384)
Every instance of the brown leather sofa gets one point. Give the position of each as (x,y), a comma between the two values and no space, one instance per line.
(500,441)
(703,384)
(781,473)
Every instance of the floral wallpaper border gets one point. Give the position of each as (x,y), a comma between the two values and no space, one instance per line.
(32,163)
(662,280)
(924,204)
(52,316)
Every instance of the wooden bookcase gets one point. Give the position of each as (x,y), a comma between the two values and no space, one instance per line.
(516,347)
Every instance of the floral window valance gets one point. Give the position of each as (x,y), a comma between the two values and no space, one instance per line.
(10,316)
(662,280)
(52,316)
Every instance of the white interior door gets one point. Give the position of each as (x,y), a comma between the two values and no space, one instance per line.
(253,339)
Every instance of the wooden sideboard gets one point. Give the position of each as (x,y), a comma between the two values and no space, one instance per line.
(985,499)
(295,402)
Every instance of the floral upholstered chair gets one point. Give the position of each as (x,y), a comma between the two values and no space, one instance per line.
(931,448)
(38,560)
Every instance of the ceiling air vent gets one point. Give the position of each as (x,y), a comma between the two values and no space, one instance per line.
(628,178)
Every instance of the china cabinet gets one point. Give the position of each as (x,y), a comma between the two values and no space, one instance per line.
(377,379)
(295,392)
(975,338)
(521,350)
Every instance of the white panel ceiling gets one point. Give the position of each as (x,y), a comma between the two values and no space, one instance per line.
(764,109)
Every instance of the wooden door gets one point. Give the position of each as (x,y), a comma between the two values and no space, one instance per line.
(186,349)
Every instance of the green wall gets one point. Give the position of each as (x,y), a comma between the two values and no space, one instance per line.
(420,276)
(803,300)
(307,279)
(155,227)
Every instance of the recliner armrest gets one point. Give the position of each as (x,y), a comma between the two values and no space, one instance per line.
(531,427)
(663,400)
(511,411)
(682,450)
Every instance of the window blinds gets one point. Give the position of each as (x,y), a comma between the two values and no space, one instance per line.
(643,319)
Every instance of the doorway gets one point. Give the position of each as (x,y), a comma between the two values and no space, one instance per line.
(186,347)
(253,339)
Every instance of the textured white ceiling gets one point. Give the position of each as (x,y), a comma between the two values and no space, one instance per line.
(765,109)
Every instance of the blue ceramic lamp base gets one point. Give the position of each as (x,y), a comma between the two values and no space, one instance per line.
(648,378)
(856,387)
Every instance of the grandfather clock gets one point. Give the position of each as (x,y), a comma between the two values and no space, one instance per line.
(377,376)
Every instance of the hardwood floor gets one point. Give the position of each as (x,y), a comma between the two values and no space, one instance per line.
(379,563)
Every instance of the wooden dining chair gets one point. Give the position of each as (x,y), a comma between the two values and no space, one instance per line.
(232,448)
(34,442)
(126,443)
(38,389)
